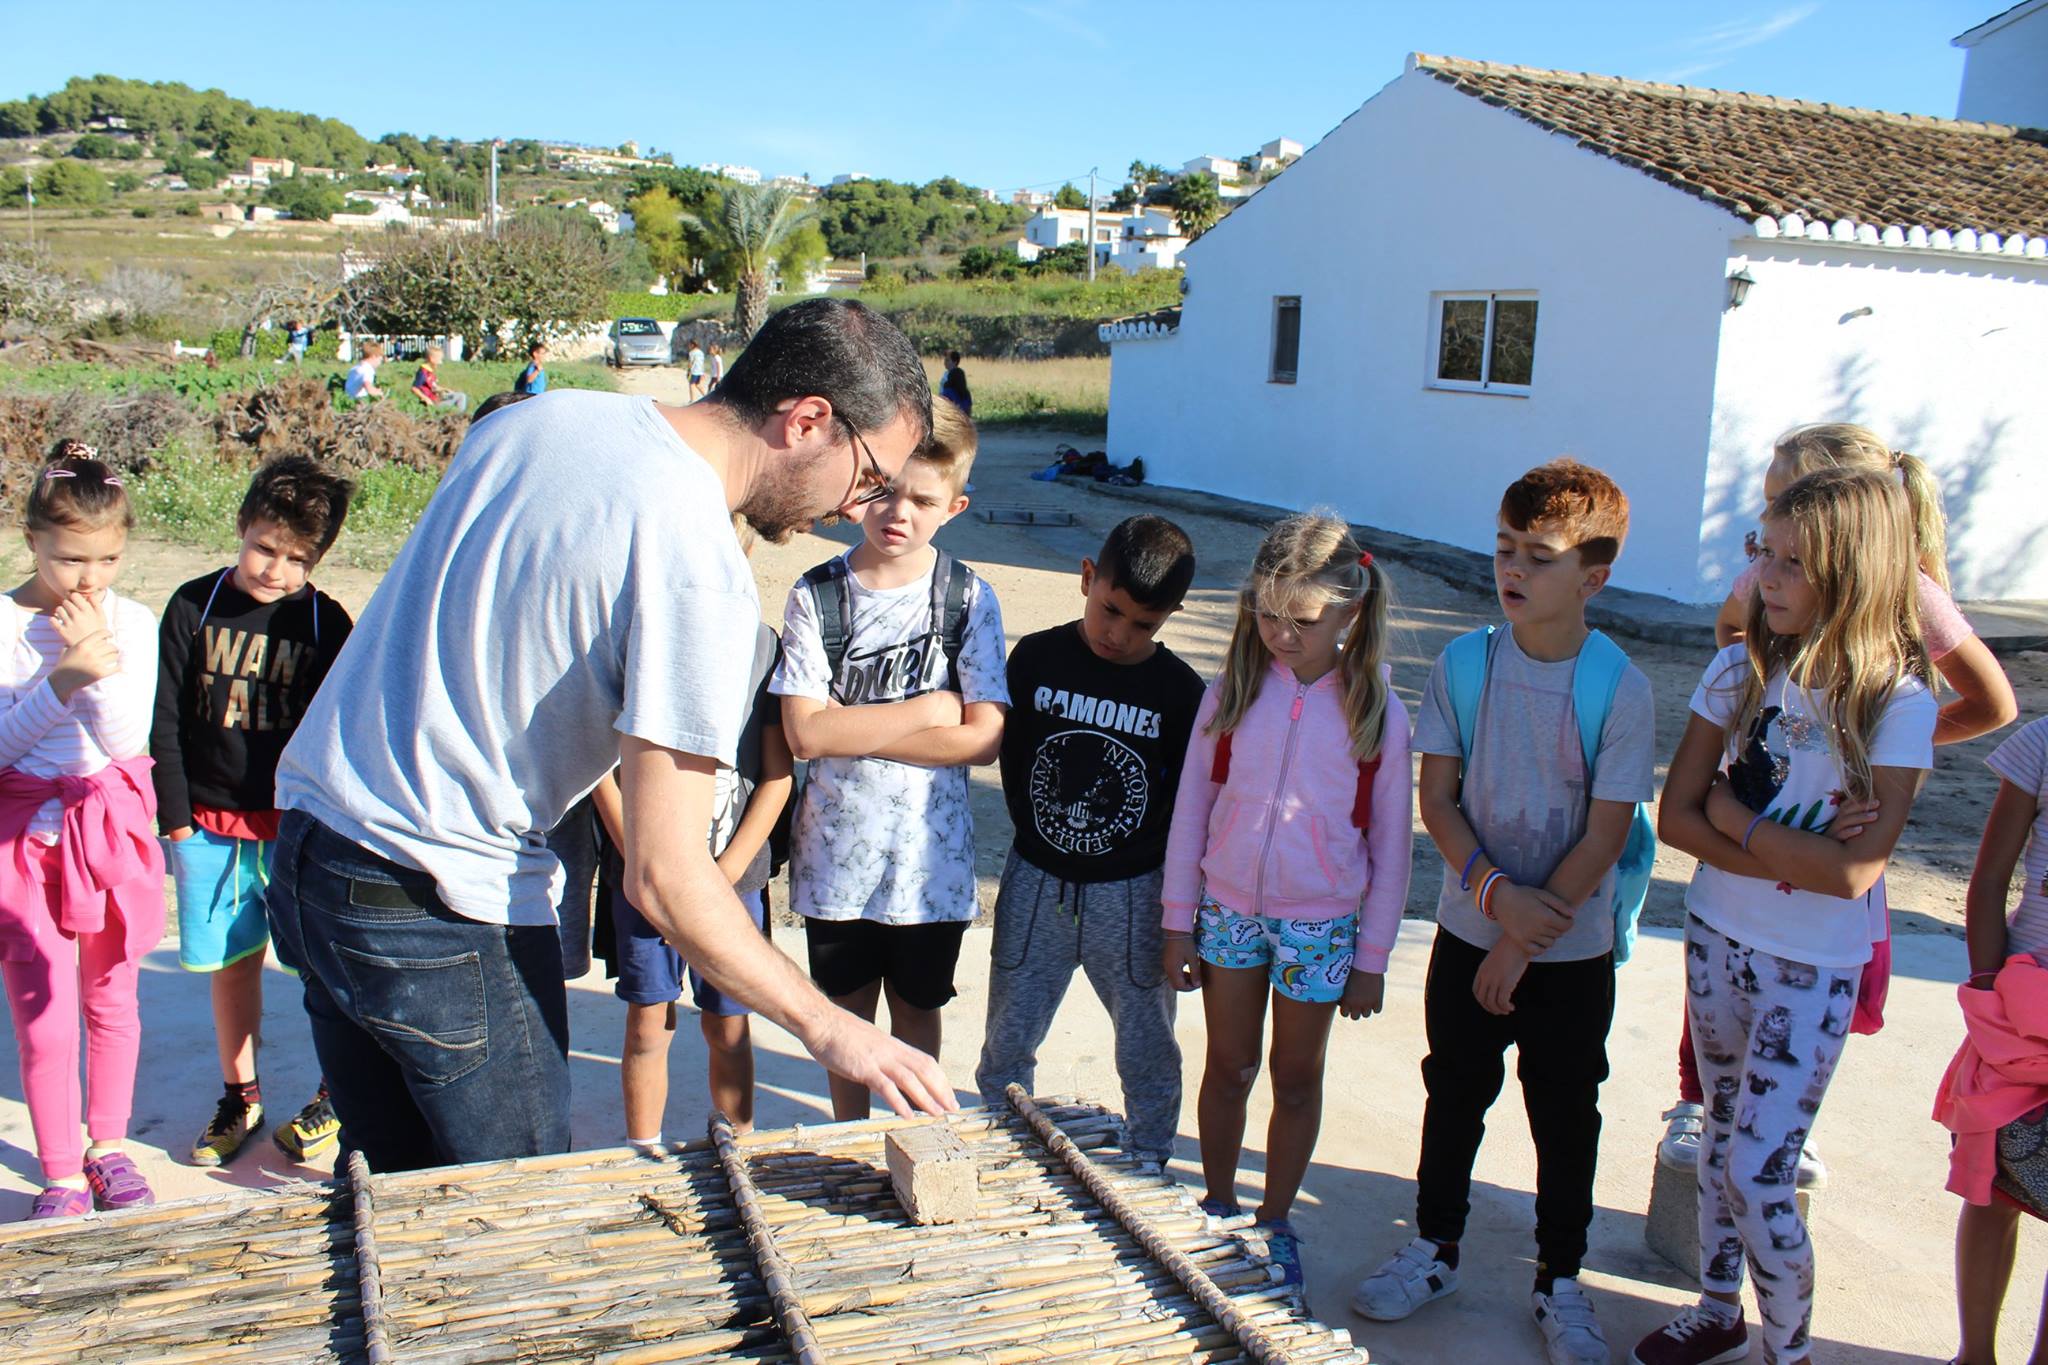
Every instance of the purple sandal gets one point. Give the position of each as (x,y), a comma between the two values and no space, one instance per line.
(61,1201)
(116,1183)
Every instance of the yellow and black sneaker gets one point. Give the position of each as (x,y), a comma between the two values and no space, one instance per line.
(311,1131)
(234,1123)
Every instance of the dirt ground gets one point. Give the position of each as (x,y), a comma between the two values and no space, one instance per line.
(1034,571)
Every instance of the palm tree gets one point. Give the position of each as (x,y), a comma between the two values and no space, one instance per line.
(1197,204)
(748,232)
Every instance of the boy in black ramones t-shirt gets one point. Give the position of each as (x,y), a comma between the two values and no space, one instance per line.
(1100,714)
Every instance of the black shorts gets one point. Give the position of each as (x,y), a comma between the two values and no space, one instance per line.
(916,961)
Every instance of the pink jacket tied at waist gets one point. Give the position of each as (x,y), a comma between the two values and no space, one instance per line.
(1999,1074)
(107,856)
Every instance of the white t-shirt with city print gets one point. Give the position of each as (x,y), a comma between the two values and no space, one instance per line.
(876,839)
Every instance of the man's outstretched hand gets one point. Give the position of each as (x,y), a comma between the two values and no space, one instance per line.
(908,1080)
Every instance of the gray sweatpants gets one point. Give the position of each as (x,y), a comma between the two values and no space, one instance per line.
(1044,929)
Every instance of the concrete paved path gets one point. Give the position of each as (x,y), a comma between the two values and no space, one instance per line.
(1882,1227)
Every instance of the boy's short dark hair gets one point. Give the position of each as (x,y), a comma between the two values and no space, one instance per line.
(1151,559)
(300,494)
(499,400)
(1584,504)
(835,349)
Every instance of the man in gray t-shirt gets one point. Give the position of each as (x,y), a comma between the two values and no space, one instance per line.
(573,600)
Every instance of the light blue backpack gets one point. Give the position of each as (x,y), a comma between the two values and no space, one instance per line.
(1594,680)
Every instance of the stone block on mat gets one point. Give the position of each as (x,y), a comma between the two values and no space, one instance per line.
(1672,1228)
(933,1173)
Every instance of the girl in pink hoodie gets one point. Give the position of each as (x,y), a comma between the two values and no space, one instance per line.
(81,876)
(1288,858)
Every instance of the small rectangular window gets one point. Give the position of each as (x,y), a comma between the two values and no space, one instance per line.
(1286,338)
(1485,342)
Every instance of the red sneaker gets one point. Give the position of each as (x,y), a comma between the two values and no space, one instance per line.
(1695,1337)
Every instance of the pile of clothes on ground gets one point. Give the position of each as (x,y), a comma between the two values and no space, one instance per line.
(1069,463)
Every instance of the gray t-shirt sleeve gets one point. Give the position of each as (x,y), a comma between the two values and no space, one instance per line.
(982,677)
(1436,727)
(1626,769)
(681,687)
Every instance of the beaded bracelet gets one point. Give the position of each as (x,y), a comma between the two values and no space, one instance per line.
(1751,830)
(1465,876)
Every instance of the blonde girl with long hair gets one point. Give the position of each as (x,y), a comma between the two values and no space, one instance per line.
(1288,858)
(1806,745)
(1983,699)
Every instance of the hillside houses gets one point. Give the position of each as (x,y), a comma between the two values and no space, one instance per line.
(1655,278)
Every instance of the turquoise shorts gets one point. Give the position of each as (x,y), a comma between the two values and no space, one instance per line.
(1307,959)
(220,884)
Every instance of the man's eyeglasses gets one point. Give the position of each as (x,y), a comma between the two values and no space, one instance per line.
(879,484)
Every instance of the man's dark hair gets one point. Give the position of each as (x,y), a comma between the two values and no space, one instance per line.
(1151,559)
(835,349)
(300,494)
(496,401)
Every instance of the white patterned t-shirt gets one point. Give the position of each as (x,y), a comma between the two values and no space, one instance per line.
(2023,761)
(876,839)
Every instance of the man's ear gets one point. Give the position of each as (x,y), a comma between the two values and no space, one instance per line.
(803,418)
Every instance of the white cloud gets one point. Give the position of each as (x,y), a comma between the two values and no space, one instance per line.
(1066,17)
(1710,48)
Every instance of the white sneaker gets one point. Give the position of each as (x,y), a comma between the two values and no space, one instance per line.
(1680,1149)
(1410,1278)
(1813,1172)
(1571,1334)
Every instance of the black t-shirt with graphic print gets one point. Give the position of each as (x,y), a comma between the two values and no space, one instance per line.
(1092,753)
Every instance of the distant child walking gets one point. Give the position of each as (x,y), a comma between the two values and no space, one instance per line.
(750,799)
(1288,859)
(534,378)
(892,688)
(1983,702)
(1792,783)
(1994,1097)
(1092,751)
(696,360)
(1538,741)
(81,875)
(242,650)
(717,368)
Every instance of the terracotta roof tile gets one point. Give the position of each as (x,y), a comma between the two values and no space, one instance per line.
(1759,155)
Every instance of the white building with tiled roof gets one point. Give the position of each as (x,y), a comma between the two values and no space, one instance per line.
(1654,278)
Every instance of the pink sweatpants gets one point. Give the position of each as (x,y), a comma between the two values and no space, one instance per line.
(90,975)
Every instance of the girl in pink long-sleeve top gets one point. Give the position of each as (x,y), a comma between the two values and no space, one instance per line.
(81,875)
(1288,858)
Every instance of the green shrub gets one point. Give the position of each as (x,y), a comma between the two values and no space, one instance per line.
(227,345)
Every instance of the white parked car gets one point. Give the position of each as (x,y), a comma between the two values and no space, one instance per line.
(635,341)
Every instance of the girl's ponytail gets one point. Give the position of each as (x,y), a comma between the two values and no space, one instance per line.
(1930,523)
(77,490)
(1365,648)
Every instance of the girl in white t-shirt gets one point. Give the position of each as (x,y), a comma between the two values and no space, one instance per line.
(1996,1077)
(1791,786)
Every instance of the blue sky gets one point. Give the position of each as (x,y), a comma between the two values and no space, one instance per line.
(1004,93)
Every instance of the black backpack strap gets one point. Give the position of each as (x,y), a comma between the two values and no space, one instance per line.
(832,599)
(950,582)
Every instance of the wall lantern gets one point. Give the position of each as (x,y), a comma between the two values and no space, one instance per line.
(1738,287)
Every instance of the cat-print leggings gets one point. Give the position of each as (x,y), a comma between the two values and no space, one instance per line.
(1768,1032)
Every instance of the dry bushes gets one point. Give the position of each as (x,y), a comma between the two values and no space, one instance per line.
(128,430)
(298,415)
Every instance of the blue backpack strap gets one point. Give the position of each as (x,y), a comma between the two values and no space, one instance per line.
(1594,680)
(1594,683)
(1465,660)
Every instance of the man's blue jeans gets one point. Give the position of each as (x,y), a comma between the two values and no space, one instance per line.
(443,1039)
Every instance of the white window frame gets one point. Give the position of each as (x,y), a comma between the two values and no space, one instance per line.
(1436,341)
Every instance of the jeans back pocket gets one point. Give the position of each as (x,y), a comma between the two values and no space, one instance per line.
(427,1013)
